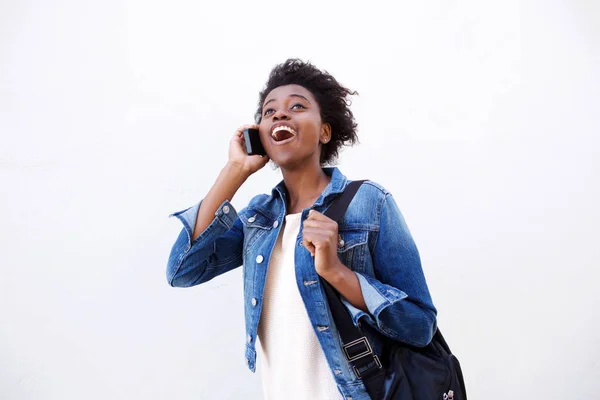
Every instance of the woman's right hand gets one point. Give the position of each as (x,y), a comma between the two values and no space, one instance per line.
(238,155)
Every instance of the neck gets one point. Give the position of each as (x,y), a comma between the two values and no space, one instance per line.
(304,186)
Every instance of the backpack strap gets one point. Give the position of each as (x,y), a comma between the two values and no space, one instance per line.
(356,347)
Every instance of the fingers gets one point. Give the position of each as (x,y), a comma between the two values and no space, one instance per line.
(240,130)
(313,237)
(318,235)
(318,220)
(307,242)
(319,224)
(309,246)
(317,216)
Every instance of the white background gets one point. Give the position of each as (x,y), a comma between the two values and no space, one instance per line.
(482,118)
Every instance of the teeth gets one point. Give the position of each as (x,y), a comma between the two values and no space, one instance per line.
(282,128)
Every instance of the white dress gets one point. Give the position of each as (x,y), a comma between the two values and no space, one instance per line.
(290,359)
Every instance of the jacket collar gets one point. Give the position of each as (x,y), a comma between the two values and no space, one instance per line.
(336,185)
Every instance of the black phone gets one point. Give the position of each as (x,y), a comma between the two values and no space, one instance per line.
(253,144)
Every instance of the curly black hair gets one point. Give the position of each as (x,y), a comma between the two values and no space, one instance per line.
(330,95)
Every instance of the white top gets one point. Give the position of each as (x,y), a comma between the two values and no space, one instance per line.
(290,358)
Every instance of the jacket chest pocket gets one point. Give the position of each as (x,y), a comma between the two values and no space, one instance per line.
(255,226)
(352,247)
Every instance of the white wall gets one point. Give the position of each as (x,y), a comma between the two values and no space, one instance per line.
(481,119)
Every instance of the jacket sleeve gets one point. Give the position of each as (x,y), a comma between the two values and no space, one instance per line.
(217,250)
(398,298)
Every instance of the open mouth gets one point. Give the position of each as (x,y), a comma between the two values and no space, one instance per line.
(283,134)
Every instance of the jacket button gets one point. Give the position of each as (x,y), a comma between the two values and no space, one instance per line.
(259,258)
(249,339)
(254,302)
(251,219)
(275,224)
(340,241)
(225,209)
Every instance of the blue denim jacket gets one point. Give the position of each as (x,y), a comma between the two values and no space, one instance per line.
(375,243)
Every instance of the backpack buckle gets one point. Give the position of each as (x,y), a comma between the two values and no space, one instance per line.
(357,348)
(373,365)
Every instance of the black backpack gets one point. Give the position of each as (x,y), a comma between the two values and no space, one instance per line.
(404,372)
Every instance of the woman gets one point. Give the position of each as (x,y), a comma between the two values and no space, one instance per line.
(285,243)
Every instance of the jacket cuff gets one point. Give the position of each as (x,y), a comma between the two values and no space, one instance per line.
(378,296)
(225,215)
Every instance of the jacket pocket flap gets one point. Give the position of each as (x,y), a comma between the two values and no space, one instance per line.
(350,239)
(255,219)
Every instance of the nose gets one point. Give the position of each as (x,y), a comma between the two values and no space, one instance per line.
(280,115)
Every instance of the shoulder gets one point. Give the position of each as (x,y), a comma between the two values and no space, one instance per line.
(367,205)
(375,197)
(372,191)
(375,186)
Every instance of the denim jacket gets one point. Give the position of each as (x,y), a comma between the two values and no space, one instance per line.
(375,243)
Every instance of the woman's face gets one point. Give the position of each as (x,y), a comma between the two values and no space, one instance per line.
(291,129)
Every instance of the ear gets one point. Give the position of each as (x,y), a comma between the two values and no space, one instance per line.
(325,133)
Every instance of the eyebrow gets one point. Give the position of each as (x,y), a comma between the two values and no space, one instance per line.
(291,95)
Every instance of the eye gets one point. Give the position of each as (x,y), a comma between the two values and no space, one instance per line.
(297,105)
(268,111)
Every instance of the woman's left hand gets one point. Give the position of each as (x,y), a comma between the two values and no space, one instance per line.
(320,238)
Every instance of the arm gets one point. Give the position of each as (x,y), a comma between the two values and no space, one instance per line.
(397,298)
(319,236)
(228,182)
(217,250)
(346,282)
(211,241)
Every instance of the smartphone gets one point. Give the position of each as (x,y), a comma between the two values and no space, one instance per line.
(253,144)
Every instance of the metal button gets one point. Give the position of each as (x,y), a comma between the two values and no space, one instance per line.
(251,219)
(340,241)
(275,224)
(247,361)
(254,302)
(225,209)
(259,258)
(249,338)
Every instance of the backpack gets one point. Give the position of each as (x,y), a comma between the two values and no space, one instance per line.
(404,372)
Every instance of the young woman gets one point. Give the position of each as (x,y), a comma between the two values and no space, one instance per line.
(285,243)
